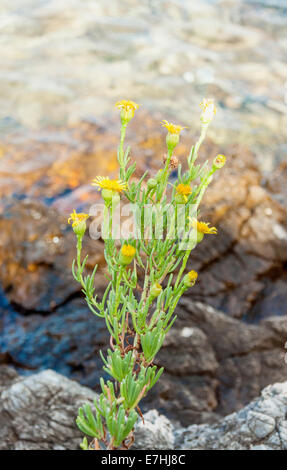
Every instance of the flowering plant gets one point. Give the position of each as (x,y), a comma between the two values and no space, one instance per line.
(146,275)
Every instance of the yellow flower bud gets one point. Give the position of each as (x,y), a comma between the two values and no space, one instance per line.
(78,221)
(127,254)
(156,289)
(127,110)
(190,279)
(218,162)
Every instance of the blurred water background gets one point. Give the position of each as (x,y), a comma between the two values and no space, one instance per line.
(70,60)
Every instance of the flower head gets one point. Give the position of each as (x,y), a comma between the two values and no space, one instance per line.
(182,191)
(127,108)
(78,222)
(190,278)
(172,128)
(219,162)
(172,137)
(192,275)
(76,219)
(202,228)
(208,110)
(112,185)
(127,254)
(128,250)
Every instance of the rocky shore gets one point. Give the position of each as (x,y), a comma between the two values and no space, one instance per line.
(228,341)
(38,413)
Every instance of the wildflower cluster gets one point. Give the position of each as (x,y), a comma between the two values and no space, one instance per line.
(146,277)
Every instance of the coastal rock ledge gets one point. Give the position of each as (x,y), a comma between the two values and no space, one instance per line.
(38,412)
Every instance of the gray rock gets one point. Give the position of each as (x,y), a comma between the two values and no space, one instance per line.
(39,412)
(156,432)
(261,425)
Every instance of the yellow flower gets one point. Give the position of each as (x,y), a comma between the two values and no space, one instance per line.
(76,219)
(127,254)
(192,276)
(128,250)
(112,185)
(190,279)
(219,162)
(78,222)
(127,109)
(172,137)
(182,191)
(202,229)
(172,128)
(208,110)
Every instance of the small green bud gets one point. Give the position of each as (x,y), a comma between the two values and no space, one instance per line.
(172,140)
(158,176)
(152,183)
(110,196)
(84,444)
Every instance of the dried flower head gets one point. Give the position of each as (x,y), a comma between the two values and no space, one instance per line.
(173,163)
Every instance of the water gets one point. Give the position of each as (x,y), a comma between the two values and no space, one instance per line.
(62,62)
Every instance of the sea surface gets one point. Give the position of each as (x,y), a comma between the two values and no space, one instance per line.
(70,60)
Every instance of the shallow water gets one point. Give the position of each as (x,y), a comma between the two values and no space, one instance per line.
(62,62)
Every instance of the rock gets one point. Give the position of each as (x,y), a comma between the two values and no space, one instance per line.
(261,425)
(37,248)
(156,432)
(38,413)
(213,364)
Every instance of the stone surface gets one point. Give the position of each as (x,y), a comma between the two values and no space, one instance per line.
(261,425)
(39,412)
(156,432)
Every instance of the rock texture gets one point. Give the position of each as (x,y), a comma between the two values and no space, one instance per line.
(38,412)
(262,425)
